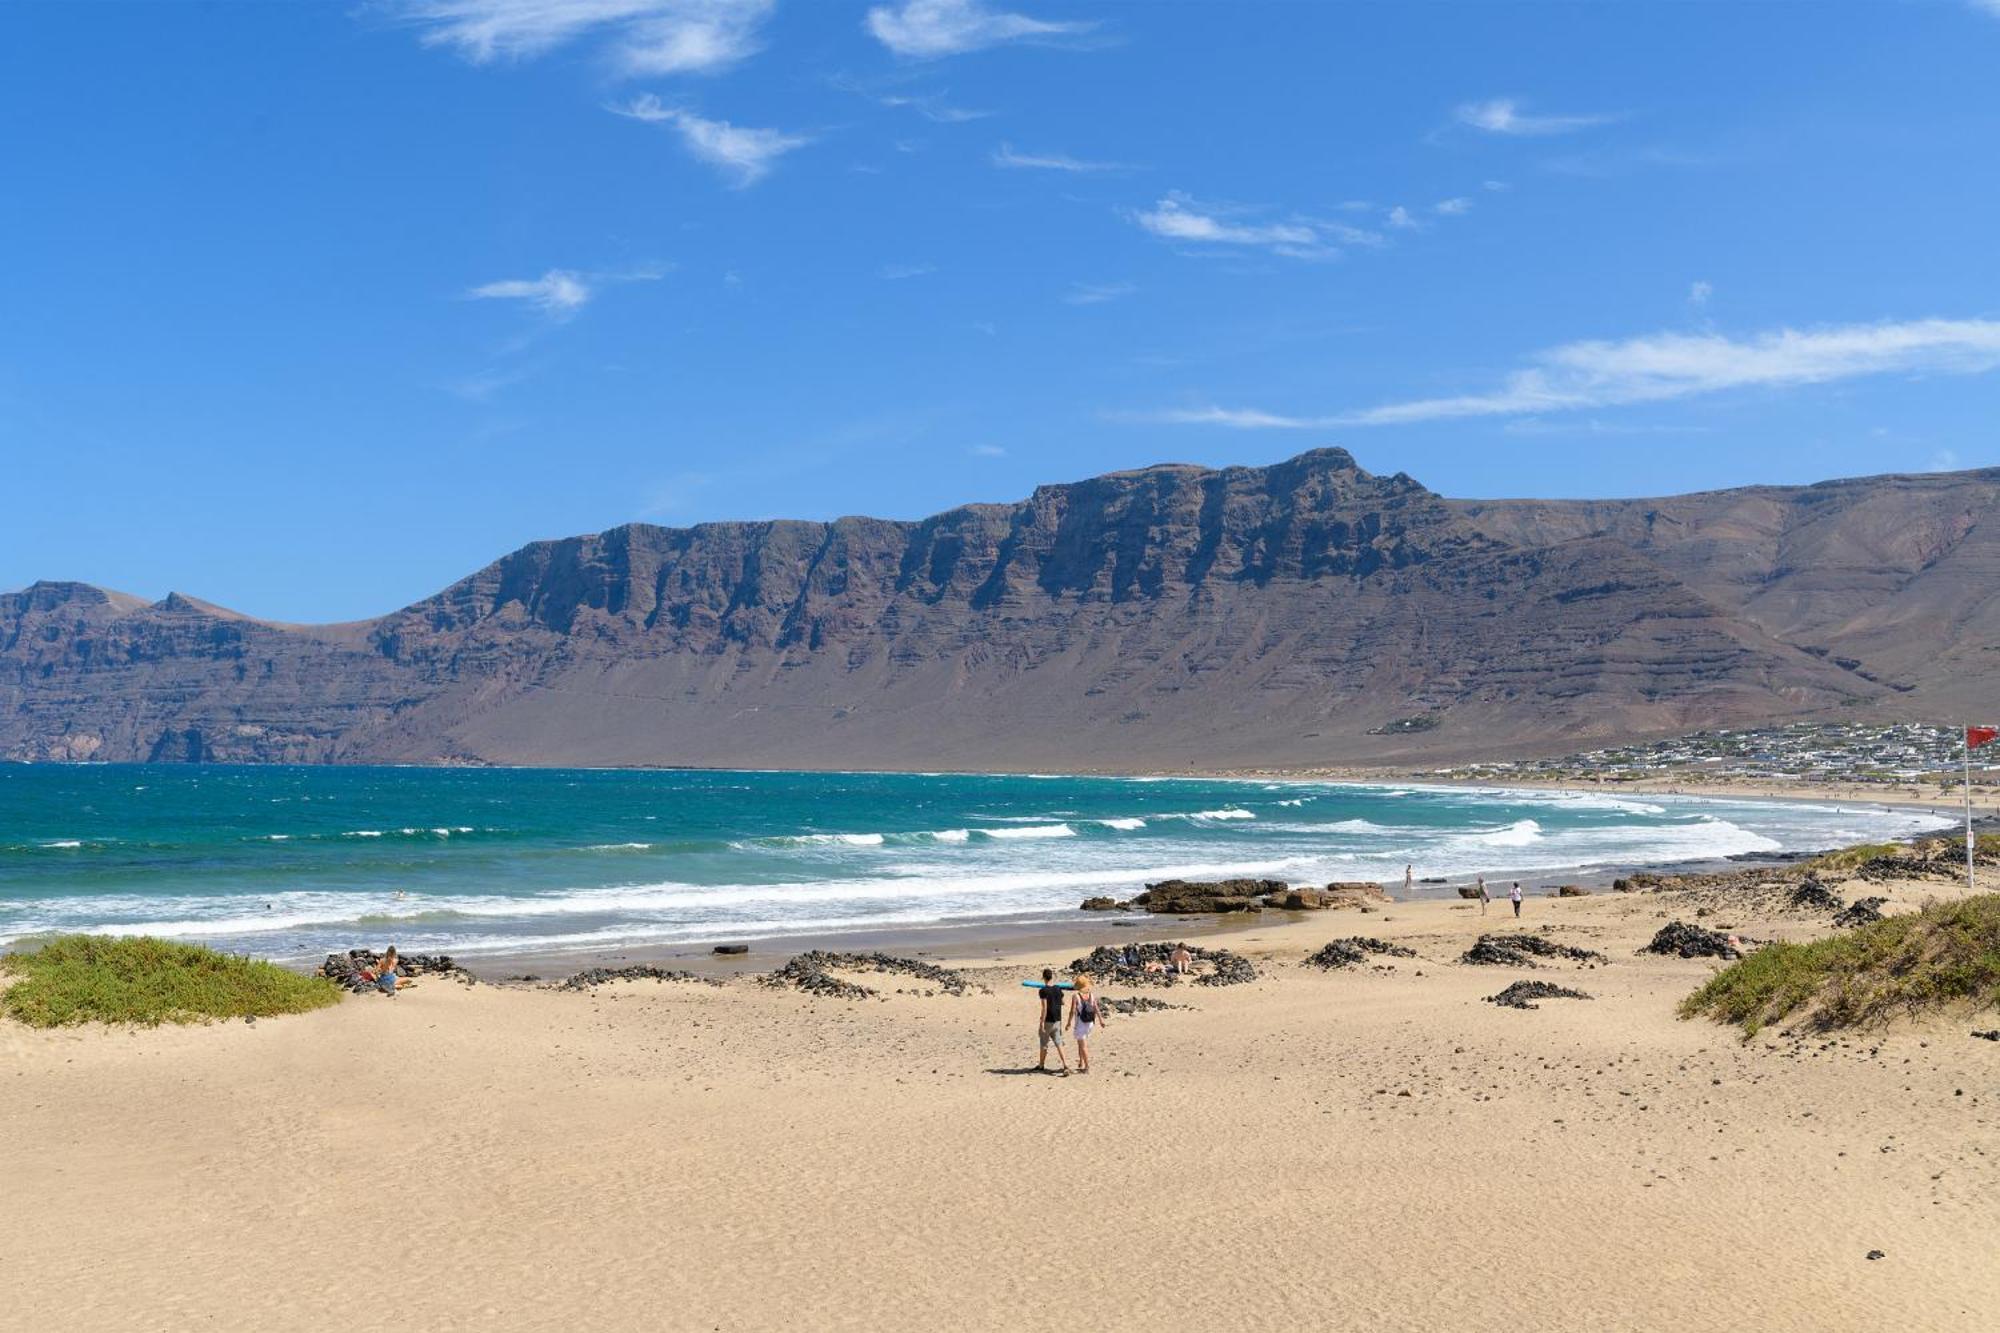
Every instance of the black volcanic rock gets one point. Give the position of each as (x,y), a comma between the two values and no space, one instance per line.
(1287,614)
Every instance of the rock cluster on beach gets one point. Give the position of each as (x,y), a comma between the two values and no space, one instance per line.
(1678,939)
(1521,951)
(1139,1004)
(1355,949)
(597,976)
(1182,897)
(1225,968)
(344,969)
(1860,912)
(1523,994)
(813,973)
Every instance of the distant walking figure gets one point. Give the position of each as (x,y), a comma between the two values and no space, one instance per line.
(1049,1007)
(1514,895)
(1085,1014)
(1484,896)
(1407,880)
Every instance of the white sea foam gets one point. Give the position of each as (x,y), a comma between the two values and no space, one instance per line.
(1031,831)
(953,835)
(363,833)
(64,844)
(1123,825)
(1520,833)
(619,847)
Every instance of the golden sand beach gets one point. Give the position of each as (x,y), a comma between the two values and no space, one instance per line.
(1370,1148)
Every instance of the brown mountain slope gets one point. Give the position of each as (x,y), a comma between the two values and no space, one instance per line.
(1163,617)
(1896,577)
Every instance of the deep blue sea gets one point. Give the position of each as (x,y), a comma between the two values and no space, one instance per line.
(292,862)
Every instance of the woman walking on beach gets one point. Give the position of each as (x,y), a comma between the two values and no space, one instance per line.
(1085,1013)
(1484,896)
(1514,894)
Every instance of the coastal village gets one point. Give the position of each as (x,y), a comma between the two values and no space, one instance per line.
(1903,755)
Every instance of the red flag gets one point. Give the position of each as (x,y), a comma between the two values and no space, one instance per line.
(1978,736)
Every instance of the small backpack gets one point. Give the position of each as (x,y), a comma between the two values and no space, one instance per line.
(1086,1011)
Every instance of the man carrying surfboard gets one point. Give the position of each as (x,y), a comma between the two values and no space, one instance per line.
(1049,1005)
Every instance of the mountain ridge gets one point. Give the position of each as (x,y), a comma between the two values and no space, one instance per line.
(1302,612)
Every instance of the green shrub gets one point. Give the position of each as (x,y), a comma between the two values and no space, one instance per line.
(138,979)
(1948,954)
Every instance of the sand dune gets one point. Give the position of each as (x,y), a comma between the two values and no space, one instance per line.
(1362,1149)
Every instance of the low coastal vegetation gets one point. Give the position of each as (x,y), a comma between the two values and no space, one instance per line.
(1945,956)
(137,979)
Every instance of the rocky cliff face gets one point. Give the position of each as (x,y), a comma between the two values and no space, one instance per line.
(1171,616)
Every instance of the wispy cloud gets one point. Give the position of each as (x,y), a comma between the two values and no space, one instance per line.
(1503,115)
(1179,218)
(934,108)
(987,451)
(1005,156)
(1097,293)
(1663,366)
(561,292)
(1452,207)
(639,36)
(1401,219)
(744,155)
(1699,292)
(898,272)
(1947,460)
(927,29)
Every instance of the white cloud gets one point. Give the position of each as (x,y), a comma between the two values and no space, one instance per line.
(1699,292)
(746,155)
(1664,366)
(934,109)
(1946,460)
(924,29)
(559,293)
(898,272)
(1175,218)
(1503,115)
(1399,217)
(640,36)
(1005,156)
(1097,293)
(1452,207)
(987,451)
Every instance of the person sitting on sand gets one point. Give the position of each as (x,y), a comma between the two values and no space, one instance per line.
(385,972)
(1183,961)
(1131,957)
(1049,1028)
(1085,1013)
(1514,896)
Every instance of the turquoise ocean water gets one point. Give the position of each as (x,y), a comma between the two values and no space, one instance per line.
(291,862)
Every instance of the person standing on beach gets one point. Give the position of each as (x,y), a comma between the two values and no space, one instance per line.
(1049,1007)
(1408,879)
(1484,896)
(1085,1012)
(1514,894)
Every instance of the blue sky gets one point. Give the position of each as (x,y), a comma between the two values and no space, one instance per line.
(312,309)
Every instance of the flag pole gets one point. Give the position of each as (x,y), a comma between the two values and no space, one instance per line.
(1969,882)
